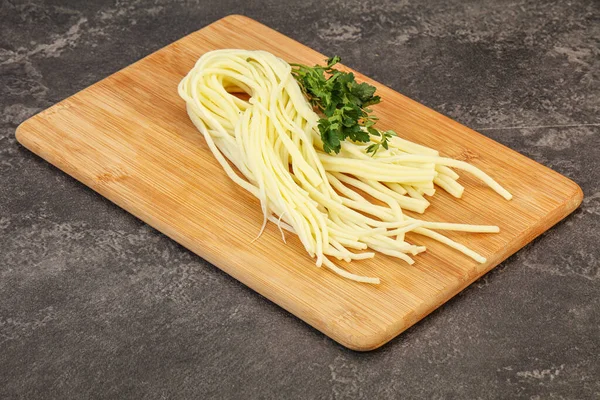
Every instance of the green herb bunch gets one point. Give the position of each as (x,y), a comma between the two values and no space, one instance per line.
(344,104)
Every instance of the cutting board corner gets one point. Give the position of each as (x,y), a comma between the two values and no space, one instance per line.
(21,132)
(576,198)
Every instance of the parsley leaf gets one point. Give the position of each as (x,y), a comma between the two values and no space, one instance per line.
(343,103)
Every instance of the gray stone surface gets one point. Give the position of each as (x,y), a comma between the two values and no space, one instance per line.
(95,304)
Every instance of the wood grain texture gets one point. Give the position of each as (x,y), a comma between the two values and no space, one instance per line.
(129,138)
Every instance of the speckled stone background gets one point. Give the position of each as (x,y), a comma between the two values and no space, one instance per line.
(95,304)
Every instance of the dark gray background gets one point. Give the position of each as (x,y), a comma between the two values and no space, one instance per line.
(95,304)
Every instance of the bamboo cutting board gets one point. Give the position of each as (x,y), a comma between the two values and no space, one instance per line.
(129,138)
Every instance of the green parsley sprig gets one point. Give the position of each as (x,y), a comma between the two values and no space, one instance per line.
(344,104)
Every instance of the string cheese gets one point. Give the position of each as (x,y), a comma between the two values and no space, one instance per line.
(270,146)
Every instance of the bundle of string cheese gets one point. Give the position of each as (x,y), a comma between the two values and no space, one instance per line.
(273,140)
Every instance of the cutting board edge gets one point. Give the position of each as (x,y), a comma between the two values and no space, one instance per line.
(560,212)
(360,343)
(55,108)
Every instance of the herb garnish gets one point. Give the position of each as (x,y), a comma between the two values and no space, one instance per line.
(344,104)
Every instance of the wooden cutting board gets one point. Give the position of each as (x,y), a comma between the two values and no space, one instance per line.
(129,138)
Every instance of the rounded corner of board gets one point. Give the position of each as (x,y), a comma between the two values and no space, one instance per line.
(236,18)
(363,342)
(577,197)
(21,132)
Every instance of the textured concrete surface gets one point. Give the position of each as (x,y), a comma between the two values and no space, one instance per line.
(95,304)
